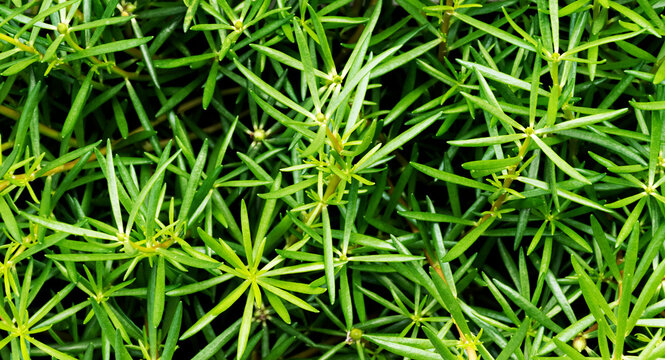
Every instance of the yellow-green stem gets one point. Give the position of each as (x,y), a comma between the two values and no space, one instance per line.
(20,45)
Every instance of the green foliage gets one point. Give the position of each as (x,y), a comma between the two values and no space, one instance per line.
(261,179)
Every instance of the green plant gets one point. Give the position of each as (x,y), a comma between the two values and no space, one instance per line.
(332,179)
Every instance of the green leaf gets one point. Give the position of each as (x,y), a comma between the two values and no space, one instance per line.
(648,105)
(271,91)
(596,43)
(360,50)
(635,17)
(308,72)
(350,216)
(222,249)
(112,47)
(101,22)
(494,31)
(172,335)
(487,141)
(398,141)
(67,228)
(452,178)
(633,218)
(573,236)
(278,306)
(558,161)
(246,235)
(221,306)
(49,350)
(438,344)
(189,15)
(209,88)
(591,292)
(317,143)
(427,216)
(159,277)
(89,257)
(411,352)
(583,121)
(291,189)
(494,110)
(564,193)
(528,307)
(402,59)
(646,294)
(515,341)
(138,202)
(634,50)
(654,148)
(603,244)
(451,303)
(345,298)
(214,346)
(113,188)
(498,164)
(285,59)
(501,77)
(102,317)
(328,265)
(568,350)
(554,21)
(245,324)
(183,61)
(179,96)
(288,297)
(20,65)
(193,182)
(467,240)
(384,258)
(9,220)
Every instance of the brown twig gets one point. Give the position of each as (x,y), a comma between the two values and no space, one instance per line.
(445,27)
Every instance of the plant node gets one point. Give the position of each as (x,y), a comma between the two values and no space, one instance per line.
(354,335)
(62,28)
(238,25)
(127,8)
(579,343)
(259,135)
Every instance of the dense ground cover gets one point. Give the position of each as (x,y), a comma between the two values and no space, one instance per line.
(332,179)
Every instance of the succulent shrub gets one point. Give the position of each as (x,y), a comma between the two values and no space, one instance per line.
(258,179)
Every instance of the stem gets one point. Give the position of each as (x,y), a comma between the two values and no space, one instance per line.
(9,112)
(43,129)
(333,140)
(496,205)
(7,145)
(471,353)
(445,27)
(114,68)
(356,34)
(20,45)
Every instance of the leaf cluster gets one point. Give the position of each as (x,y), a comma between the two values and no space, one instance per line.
(332,179)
